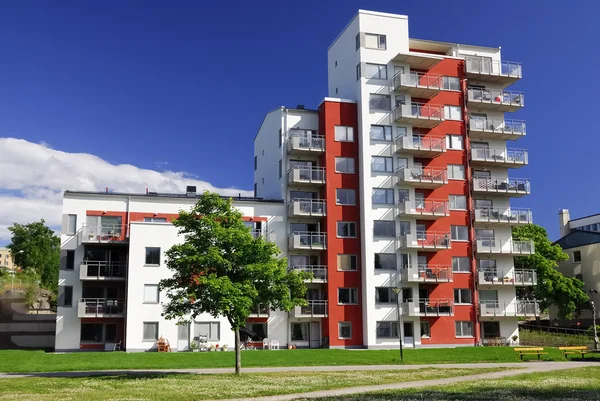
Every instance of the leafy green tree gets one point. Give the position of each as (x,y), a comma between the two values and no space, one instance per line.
(221,269)
(36,250)
(553,288)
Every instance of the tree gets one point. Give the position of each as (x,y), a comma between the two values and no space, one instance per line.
(36,250)
(553,288)
(222,269)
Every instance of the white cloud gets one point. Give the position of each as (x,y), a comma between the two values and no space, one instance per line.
(33,177)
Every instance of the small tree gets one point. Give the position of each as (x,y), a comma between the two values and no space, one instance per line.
(553,288)
(222,269)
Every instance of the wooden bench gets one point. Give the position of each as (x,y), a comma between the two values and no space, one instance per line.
(530,351)
(582,350)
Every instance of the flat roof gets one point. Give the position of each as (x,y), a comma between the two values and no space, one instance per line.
(585,217)
(170,196)
(436,45)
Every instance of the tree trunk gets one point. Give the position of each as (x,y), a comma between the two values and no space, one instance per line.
(238,353)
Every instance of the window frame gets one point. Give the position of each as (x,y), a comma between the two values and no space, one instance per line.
(385,133)
(458,258)
(381,44)
(393,327)
(347,324)
(70,260)
(300,323)
(453,227)
(347,191)
(351,227)
(210,328)
(425,323)
(351,290)
(280,168)
(71,220)
(349,161)
(387,191)
(387,99)
(452,201)
(449,111)
(451,139)
(391,296)
(462,335)
(149,248)
(446,79)
(386,255)
(391,223)
(64,293)
(145,301)
(144,339)
(459,294)
(450,170)
(348,133)
(379,69)
(573,258)
(351,257)
(385,164)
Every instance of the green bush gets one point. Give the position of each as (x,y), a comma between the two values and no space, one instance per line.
(31,294)
(542,338)
(590,331)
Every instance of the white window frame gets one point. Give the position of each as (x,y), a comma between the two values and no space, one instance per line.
(424,323)
(391,329)
(347,325)
(347,259)
(392,296)
(454,142)
(447,83)
(388,163)
(146,256)
(454,169)
(351,227)
(381,73)
(379,38)
(453,113)
(387,192)
(461,294)
(458,260)
(349,162)
(457,229)
(144,339)
(387,133)
(155,219)
(345,197)
(351,292)
(212,328)
(148,287)
(452,201)
(343,133)
(460,333)
(71,224)
(388,254)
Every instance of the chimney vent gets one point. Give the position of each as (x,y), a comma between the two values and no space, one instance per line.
(300,107)
(190,190)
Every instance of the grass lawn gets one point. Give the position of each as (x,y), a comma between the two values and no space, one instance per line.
(174,387)
(38,361)
(572,384)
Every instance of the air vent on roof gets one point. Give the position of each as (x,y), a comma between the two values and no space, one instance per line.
(190,190)
(300,107)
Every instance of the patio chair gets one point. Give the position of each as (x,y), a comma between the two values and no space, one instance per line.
(266,343)
(117,346)
(273,344)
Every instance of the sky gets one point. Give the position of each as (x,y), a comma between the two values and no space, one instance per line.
(134,94)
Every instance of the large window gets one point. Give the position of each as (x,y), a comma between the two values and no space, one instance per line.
(70,260)
(344,165)
(375,41)
(381,133)
(452,113)
(459,233)
(348,296)
(345,330)
(456,172)
(464,329)
(425,329)
(151,295)
(451,83)
(457,202)
(91,332)
(346,229)
(486,264)
(462,296)
(67,295)
(344,134)
(345,196)
(300,331)
(376,71)
(386,330)
(71,224)
(385,295)
(150,331)
(383,228)
(380,102)
(347,262)
(383,196)
(461,264)
(382,164)
(454,142)
(385,261)
(260,329)
(153,256)
(211,330)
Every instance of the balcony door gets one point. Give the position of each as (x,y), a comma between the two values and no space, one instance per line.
(490,330)
(183,337)
(315,334)
(488,296)
(303,260)
(485,237)
(409,334)
(295,195)
(303,227)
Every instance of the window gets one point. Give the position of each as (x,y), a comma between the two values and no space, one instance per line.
(357,72)
(155,219)
(464,329)
(211,330)
(456,172)
(385,261)
(91,332)
(386,330)
(347,262)
(151,294)
(375,41)
(153,256)
(150,331)
(71,224)
(486,264)
(452,113)
(345,196)
(335,64)
(280,139)
(376,71)
(345,330)
(381,133)
(383,228)
(459,233)
(260,329)
(280,168)
(454,142)
(382,164)
(346,229)
(67,296)
(385,295)
(576,256)
(255,191)
(451,83)
(263,181)
(344,165)
(348,296)
(70,260)
(425,329)
(462,296)
(255,162)
(382,196)
(300,331)
(461,264)
(344,134)
(457,202)
(358,41)
(380,102)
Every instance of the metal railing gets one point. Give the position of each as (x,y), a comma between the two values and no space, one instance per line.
(485,66)
(425,239)
(428,307)
(500,155)
(308,240)
(302,141)
(421,142)
(504,245)
(307,207)
(103,233)
(427,273)
(516,127)
(509,308)
(496,96)
(510,215)
(260,310)
(426,207)
(319,272)
(496,184)
(507,276)
(314,308)
(418,80)
(96,269)
(99,307)
(419,111)
(426,175)
(307,174)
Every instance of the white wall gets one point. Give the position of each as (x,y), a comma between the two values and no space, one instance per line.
(268,153)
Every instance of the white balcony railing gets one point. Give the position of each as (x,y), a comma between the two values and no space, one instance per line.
(494,68)
(419,80)
(427,273)
(426,176)
(521,277)
(314,308)
(511,157)
(516,186)
(421,144)
(496,97)
(102,270)
(307,207)
(100,307)
(428,307)
(319,272)
(306,175)
(419,114)
(504,246)
(496,128)
(307,240)
(103,233)
(425,208)
(425,240)
(508,216)
(509,308)
(306,143)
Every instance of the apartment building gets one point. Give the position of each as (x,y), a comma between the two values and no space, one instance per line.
(399,185)
(6,260)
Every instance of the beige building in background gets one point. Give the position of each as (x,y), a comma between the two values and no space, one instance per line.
(6,261)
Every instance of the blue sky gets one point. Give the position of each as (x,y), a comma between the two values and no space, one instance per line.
(188,82)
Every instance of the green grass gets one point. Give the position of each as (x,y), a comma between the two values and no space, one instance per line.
(38,361)
(540,338)
(572,384)
(201,387)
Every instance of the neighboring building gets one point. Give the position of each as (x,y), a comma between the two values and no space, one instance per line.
(401,179)
(6,260)
(587,223)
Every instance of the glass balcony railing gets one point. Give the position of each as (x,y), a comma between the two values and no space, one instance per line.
(424,176)
(497,126)
(308,143)
(307,240)
(426,273)
(102,270)
(421,144)
(513,157)
(307,207)
(306,175)
(495,276)
(504,246)
(494,68)
(430,114)
(424,207)
(511,186)
(509,308)
(496,97)
(415,79)
(425,240)
(428,307)
(508,216)
(319,272)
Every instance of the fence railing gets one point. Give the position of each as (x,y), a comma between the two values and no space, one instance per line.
(510,215)
(319,272)
(96,269)
(421,142)
(306,174)
(99,307)
(313,308)
(427,207)
(516,127)
(500,155)
(306,142)
(308,240)
(419,80)
(496,96)
(504,245)
(420,111)
(103,233)
(426,175)
(496,184)
(430,273)
(307,207)
(507,276)
(425,239)
(486,66)
(509,308)
(428,307)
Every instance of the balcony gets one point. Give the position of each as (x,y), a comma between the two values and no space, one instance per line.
(419,114)
(305,144)
(428,307)
(488,128)
(515,187)
(502,216)
(422,177)
(503,246)
(307,240)
(493,71)
(114,233)
(508,308)
(96,270)
(419,84)
(486,156)
(494,100)
(260,310)
(426,274)
(312,309)
(425,241)
(100,307)
(306,208)
(419,145)
(298,175)
(425,209)
(520,277)
(319,272)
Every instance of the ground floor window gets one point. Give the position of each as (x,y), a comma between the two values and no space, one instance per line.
(300,331)
(464,329)
(387,330)
(491,329)
(260,329)
(344,330)
(92,332)
(425,329)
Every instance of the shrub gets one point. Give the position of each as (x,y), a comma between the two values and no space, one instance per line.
(542,338)
(31,294)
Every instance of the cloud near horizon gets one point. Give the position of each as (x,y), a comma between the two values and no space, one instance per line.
(33,177)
